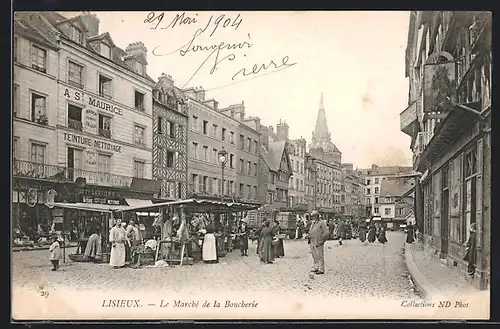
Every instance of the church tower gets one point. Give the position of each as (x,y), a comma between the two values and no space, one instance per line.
(321,138)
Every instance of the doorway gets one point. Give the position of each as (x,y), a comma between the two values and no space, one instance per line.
(445,222)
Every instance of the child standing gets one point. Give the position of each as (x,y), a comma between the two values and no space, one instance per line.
(55,253)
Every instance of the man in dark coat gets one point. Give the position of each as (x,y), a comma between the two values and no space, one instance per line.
(257,234)
(410,233)
(470,255)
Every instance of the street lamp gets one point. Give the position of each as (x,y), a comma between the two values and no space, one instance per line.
(223,160)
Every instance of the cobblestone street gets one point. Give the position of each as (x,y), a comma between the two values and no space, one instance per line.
(352,271)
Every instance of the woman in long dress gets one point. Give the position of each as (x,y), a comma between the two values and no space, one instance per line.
(209,247)
(278,245)
(410,234)
(243,238)
(93,251)
(265,248)
(362,231)
(117,238)
(371,233)
(381,235)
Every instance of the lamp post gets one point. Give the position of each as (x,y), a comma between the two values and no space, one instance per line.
(223,161)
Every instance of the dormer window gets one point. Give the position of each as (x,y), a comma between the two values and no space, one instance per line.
(139,68)
(105,50)
(76,35)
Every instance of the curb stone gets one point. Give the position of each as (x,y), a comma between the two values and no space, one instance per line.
(425,287)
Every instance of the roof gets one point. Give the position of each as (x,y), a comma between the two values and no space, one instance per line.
(395,188)
(197,205)
(45,28)
(273,155)
(389,170)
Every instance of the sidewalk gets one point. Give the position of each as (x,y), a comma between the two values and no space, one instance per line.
(432,278)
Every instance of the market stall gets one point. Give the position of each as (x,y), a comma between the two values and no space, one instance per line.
(183,223)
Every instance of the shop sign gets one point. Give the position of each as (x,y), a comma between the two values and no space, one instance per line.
(57,216)
(51,195)
(92,101)
(90,142)
(97,200)
(32,197)
(91,122)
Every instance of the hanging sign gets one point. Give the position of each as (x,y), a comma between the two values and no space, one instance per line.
(32,197)
(51,195)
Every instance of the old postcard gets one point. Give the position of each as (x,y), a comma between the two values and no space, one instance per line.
(251,165)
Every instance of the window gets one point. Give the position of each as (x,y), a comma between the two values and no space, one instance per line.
(14,49)
(255,169)
(214,186)
(376,180)
(74,117)
(255,146)
(388,200)
(160,125)
(255,191)
(171,129)
(15,100)
(105,50)
(15,147)
(214,156)
(139,169)
(249,172)
(214,131)
(368,182)
(242,166)
(38,108)
(195,123)
(139,68)
(376,190)
(223,134)
(249,144)
(368,201)
(231,137)
(104,126)
(104,86)
(171,159)
(249,192)
(376,199)
(387,211)
(139,135)
(139,101)
(205,127)
(38,59)
(75,74)
(194,151)
(375,210)
(104,163)
(231,161)
(242,142)
(400,211)
(368,191)
(76,35)
(38,153)
(205,153)
(242,190)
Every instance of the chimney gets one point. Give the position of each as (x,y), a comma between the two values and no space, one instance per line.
(282,130)
(137,54)
(165,80)
(91,23)
(199,94)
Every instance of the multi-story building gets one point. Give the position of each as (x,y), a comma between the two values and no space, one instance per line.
(82,113)
(352,192)
(448,63)
(396,203)
(276,170)
(210,130)
(373,180)
(310,182)
(296,151)
(170,124)
(327,158)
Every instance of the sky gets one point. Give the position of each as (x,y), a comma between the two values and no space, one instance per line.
(355,58)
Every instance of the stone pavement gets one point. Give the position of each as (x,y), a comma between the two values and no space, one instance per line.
(353,270)
(433,278)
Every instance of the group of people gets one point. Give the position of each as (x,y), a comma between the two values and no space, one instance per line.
(369,232)
(269,243)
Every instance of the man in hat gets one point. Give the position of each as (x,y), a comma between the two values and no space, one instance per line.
(318,234)
(470,255)
(117,238)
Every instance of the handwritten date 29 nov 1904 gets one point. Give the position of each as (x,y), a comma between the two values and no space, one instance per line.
(214,49)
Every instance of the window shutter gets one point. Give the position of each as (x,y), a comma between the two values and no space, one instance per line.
(479,191)
(200,183)
(461,198)
(209,189)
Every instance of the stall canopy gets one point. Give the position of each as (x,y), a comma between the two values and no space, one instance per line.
(138,202)
(195,204)
(90,206)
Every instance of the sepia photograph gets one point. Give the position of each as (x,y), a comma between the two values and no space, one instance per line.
(251,165)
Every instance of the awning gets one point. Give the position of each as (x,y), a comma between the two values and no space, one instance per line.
(196,204)
(147,213)
(447,132)
(376,219)
(90,206)
(138,202)
(407,193)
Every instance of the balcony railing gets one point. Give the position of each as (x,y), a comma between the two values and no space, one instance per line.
(202,190)
(408,117)
(105,133)
(34,170)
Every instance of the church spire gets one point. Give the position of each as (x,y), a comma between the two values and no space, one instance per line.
(321,103)
(321,130)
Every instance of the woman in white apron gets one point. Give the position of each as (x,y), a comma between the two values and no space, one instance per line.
(209,248)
